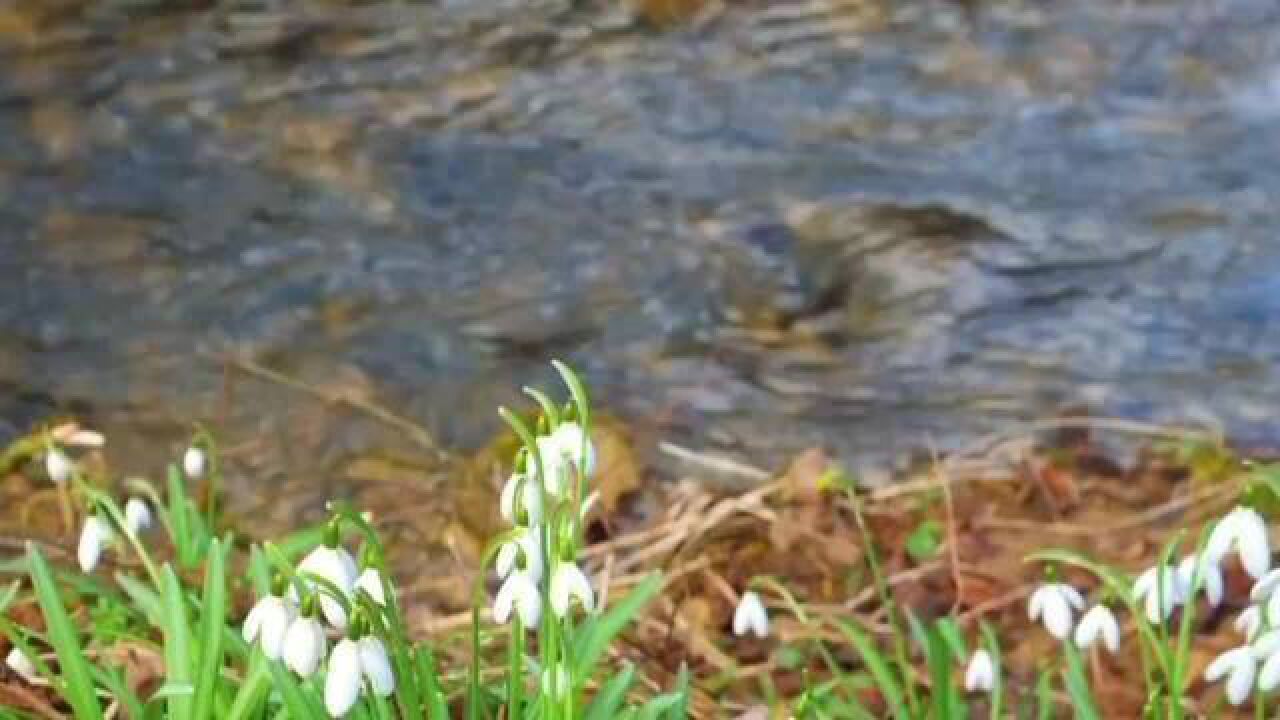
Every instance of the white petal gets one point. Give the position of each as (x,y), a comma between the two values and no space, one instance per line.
(304,645)
(520,592)
(980,675)
(1265,587)
(1057,615)
(1225,662)
(58,466)
(1214,586)
(342,683)
(507,500)
(554,467)
(336,566)
(1266,645)
(751,616)
(1240,682)
(576,447)
(1249,622)
(506,560)
(376,666)
(1098,621)
(1221,538)
(1145,583)
(137,515)
(1210,579)
(1036,604)
(1253,543)
(93,537)
(567,583)
(1272,610)
(193,461)
(277,615)
(84,438)
(21,664)
(1071,595)
(370,581)
(527,548)
(1269,676)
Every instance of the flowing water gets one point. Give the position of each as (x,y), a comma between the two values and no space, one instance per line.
(756,226)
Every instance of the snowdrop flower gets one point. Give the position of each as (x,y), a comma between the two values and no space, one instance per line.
(520,591)
(1238,665)
(1053,603)
(566,453)
(21,664)
(1159,587)
(94,536)
(1210,579)
(1269,675)
(1249,622)
(304,643)
(569,582)
(193,462)
(350,664)
(1244,530)
(1266,645)
(750,616)
(555,681)
(523,553)
(529,511)
(1265,587)
(268,622)
(980,675)
(370,581)
(137,515)
(333,563)
(1099,621)
(58,466)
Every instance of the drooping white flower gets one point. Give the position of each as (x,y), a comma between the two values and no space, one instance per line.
(523,553)
(268,622)
(342,679)
(520,591)
(21,664)
(94,536)
(1159,588)
(335,565)
(304,645)
(1244,530)
(555,681)
(1098,622)
(566,453)
(193,462)
(1239,665)
(1210,579)
(1054,603)
(1265,587)
(1249,622)
(529,510)
(567,583)
(1269,675)
(576,447)
(980,675)
(58,466)
(370,581)
(750,616)
(376,665)
(137,515)
(1266,645)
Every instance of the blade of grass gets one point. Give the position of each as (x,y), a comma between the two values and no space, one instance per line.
(213,608)
(177,646)
(1078,685)
(253,691)
(596,634)
(886,682)
(430,678)
(606,702)
(76,681)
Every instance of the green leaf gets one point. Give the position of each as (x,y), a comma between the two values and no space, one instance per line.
(656,707)
(680,710)
(177,644)
(430,677)
(76,682)
(925,541)
(180,517)
(213,606)
(253,691)
(885,679)
(1078,685)
(596,634)
(606,702)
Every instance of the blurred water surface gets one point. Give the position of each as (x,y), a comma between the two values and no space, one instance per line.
(755,226)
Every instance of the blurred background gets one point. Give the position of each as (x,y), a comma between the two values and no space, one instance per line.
(755,226)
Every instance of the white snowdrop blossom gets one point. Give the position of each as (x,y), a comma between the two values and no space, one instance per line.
(335,565)
(980,675)
(351,663)
(750,616)
(1265,587)
(94,537)
(1239,666)
(58,466)
(137,515)
(568,582)
(370,581)
(1210,579)
(1249,622)
(529,509)
(375,665)
(523,553)
(304,645)
(1158,588)
(1266,645)
(1098,622)
(1053,603)
(555,681)
(1244,530)
(1269,675)
(566,453)
(21,664)
(520,592)
(193,462)
(268,622)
